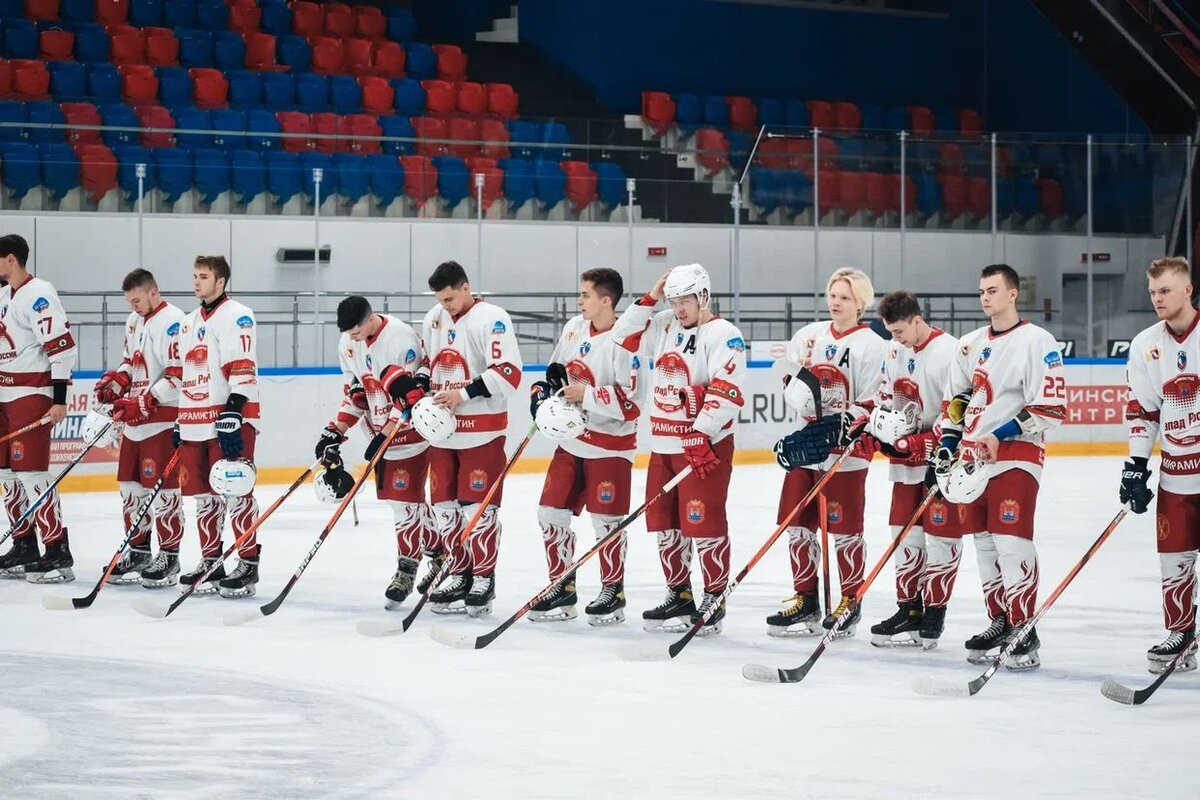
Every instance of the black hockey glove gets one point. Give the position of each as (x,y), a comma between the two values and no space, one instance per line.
(373,448)
(811,444)
(556,379)
(1135,490)
(327,449)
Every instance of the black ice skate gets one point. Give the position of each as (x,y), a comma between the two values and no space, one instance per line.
(609,606)
(714,624)
(900,629)
(451,596)
(851,623)
(22,554)
(402,583)
(163,570)
(210,584)
(479,599)
(242,582)
(1163,653)
(932,623)
(994,637)
(558,605)
(1024,657)
(129,569)
(672,615)
(800,616)
(431,572)
(54,566)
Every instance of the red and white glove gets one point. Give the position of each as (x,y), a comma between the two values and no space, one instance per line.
(134,410)
(692,398)
(866,446)
(357,395)
(697,449)
(112,384)
(916,447)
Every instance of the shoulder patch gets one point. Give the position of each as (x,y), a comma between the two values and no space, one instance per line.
(736,343)
(173,330)
(41,304)
(245,322)
(499,328)
(1053,359)
(410,356)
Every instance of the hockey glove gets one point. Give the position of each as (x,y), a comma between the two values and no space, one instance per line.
(1135,491)
(697,449)
(338,481)
(229,433)
(914,448)
(176,439)
(941,458)
(327,446)
(373,448)
(556,379)
(404,388)
(812,444)
(134,410)
(111,385)
(692,398)
(849,428)
(358,395)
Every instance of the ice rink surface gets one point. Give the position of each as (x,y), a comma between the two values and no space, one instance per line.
(105,702)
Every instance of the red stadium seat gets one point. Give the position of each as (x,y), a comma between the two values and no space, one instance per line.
(138,83)
(879,193)
(954,195)
(339,20)
(420,178)
(244,18)
(260,53)
(209,87)
(852,192)
(463,129)
(358,56)
(979,197)
(389,60)
(581,183)
(829,191)
(743,114)
(429,128)
(712,150)
(162,48)
(81,114)
(38,10)
(658,111)
(846,116)
(329,125)
(307,19)
(923,121)
(493,184)
(378,96)
(112,11)
(117,28)
(495,135)
(370,23)
(97,170)
(471,99)
(821,114)
(451,62)
(1053,205)
(31,80)
(128,47)
(156,117)
(827,149)
(970,122)
(6,79)
(439,97)
(363,125)
(327,55)
(502,100)
(952,158)
(54,45)
(295,122)
(774,154)
(479,162)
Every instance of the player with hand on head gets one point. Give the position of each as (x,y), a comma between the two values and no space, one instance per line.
(695,395)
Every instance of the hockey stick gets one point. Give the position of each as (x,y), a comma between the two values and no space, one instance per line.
(54,485)
(381,628)
(67,603)
(37,423)
(469,642)
(267,609)
(158,611)
(823,513)
(932,687)
(754,672)
(1119,693)
(676,648)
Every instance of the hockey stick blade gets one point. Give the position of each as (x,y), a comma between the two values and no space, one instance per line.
(761,674)
(932,687)
(1121,694)
(150,608)
(242,617)
(451,639)
(59,603)
(375,628)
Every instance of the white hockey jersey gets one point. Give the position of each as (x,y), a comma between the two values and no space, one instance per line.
(917,375)
(1164,379)
(219,359)
(711,356)
(849,368)
(616,388)
(36,346)
(153,365)
(1016,372)
(396,344)
(480,343)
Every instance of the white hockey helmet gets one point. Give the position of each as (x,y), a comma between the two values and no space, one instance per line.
(93,425)
(689,279)
(435,423)
(232,477)
(332,484)
(801,389)
(966,479)
(887,424)
(559,420)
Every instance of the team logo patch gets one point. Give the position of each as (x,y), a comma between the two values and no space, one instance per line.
(184,475)
(17,451)
(367,360)
(149,468)
(245,322)
(937,513)
(41,304)
(636,363)
(606,492)
(834,513)
(173,330)
(830,351)
(1053,359)
(695,511)
(478,480)
(736,343)
(450,336)
(585,348)
(1010,511)
(1153,354)
(1181,360)
(400,479)
(985,354)
(911,366)
(200,333)
(499,328)
(678,339)
(410,356)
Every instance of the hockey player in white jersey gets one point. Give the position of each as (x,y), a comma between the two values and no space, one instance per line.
(845,355)
(601,383)
(218,421)
(475,367)
(379,356)
(1007,388)
(904,424)
(695,395)
(144,393)
(1164,380)
(37,354)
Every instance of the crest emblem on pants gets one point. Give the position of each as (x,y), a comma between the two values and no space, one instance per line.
(183,476)
(834,514)
(937,513)
(17,450)
(605,492)
(148,468)
(478,480)
(1010,510)
(695,511)
(400,479)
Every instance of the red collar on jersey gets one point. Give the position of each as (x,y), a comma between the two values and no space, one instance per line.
(848,331)
(14,288)
(474,303)
(1181,338)
(993,334)
(592,329)
(207,309)
(933,334)
(158,308)
(370,340)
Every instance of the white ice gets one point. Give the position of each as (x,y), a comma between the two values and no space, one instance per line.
(107,703)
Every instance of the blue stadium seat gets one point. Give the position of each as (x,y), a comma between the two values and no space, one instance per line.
(353,176)
(555,133)
(740,143)
(978,160)
(230,122)
(283,175)
(797,190)
(43,114)
(929,194)
(248,175)
(399,127)
(610,183)
(345,95)
(276,20)
(689,111)
(766,192)
(716,111)
(174,168)
(119,115)
(945,120)
(522,134)
(329,180)
(293,51)
(60,169)
(192,119)
(11,112)
(179,13)
(410,97)
(195,48)
(20,39)
(421,62)
(402,27)
(212,15)
(851,154)
(103,83)
(260,121)
(796,114)
(279,91)
(229,50)
(549,183)
(146,12)
(1028,197)
(386,178)
(174,86)
(770,111)
(518,180)
(91,43)
(128,157)
(245,88)
(68,80)
(212,174)
(20,168)
(453,179)
(923,157)
(312,93)
(1006,196)
(78,10)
